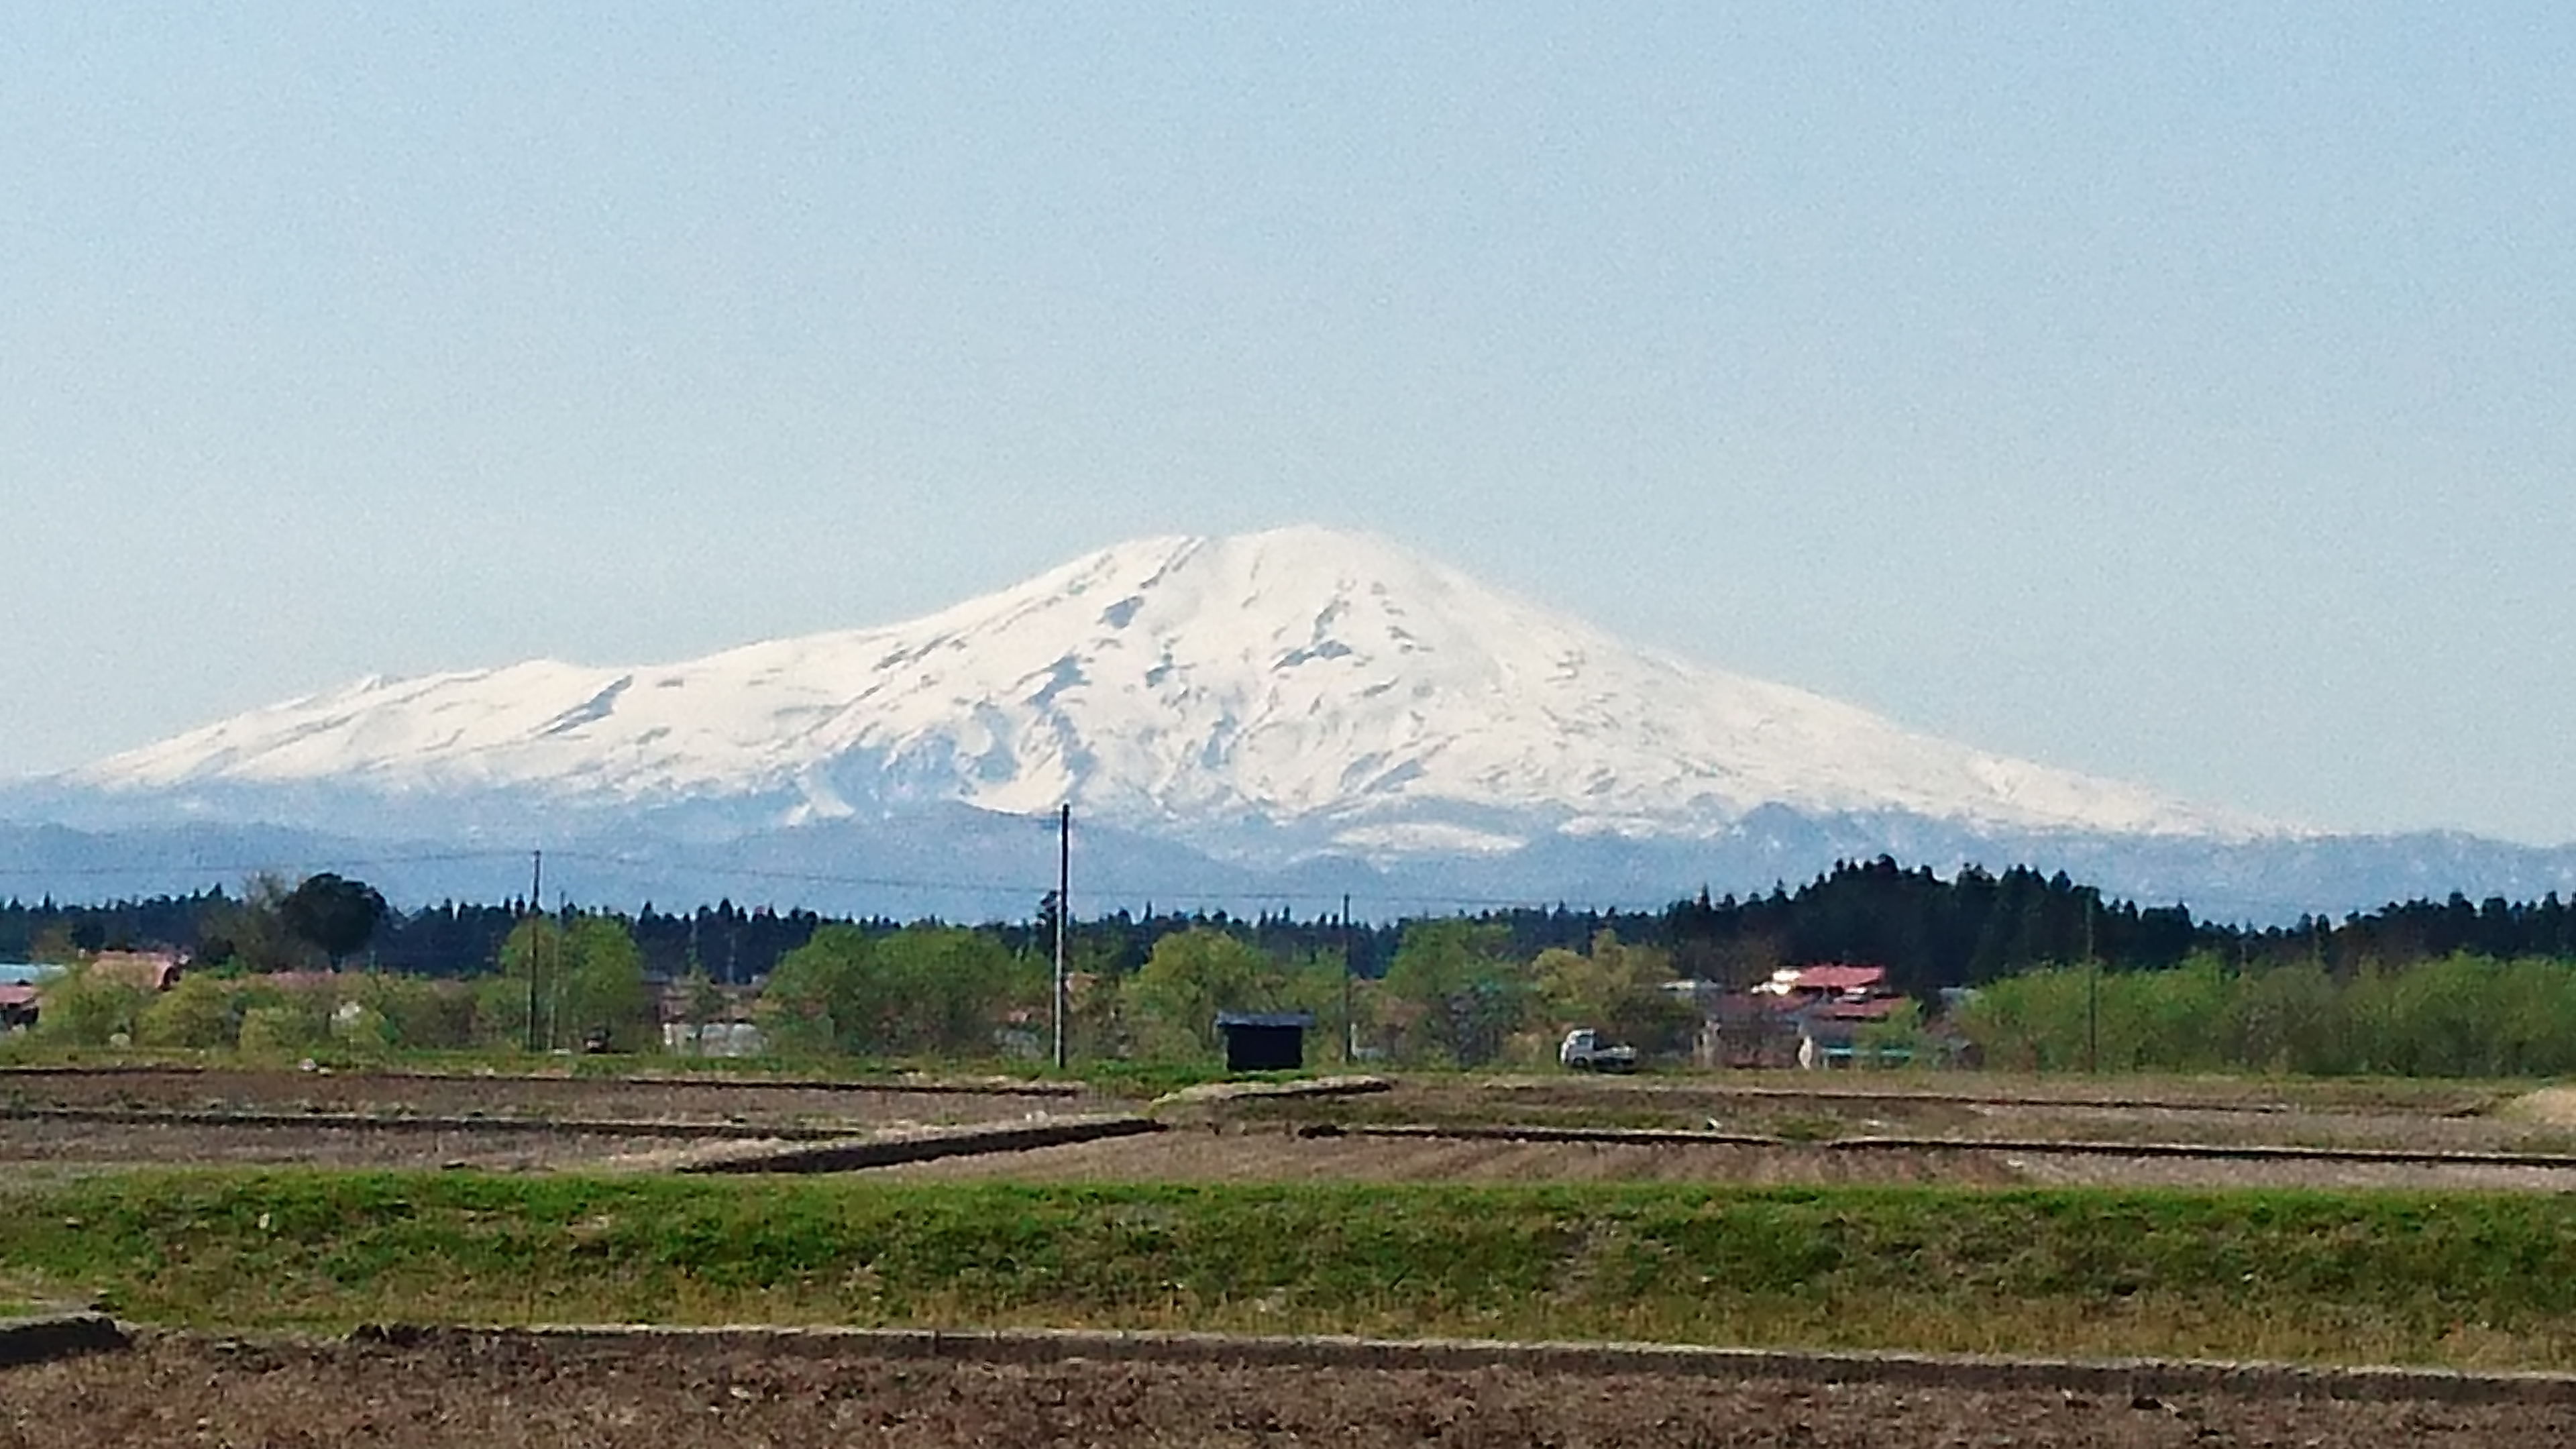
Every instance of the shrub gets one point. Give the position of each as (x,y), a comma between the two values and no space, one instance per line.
(82,1008)
(283,1029)
(200,1013)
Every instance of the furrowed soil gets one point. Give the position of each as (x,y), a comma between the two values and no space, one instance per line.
(713,1100)
(1797,1105)
(57,1146)
(1269,1153)
(230,1116)
(563,1122)
(193,1391)
(1275,1156)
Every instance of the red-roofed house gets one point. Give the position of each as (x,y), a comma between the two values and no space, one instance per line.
(1833,980)
(17,1006)
(1809,1016)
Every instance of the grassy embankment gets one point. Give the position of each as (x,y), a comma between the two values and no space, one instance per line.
(2471,1280)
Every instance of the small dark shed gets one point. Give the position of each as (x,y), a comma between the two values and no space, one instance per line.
(1264,1041)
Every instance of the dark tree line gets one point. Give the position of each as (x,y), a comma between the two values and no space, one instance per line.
(1978,927)
(1929,932)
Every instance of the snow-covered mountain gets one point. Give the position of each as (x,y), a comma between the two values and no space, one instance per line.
(1269,697)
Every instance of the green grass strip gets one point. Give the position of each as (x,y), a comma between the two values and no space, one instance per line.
(2464,1279)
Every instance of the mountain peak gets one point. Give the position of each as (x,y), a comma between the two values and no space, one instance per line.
(1286,692)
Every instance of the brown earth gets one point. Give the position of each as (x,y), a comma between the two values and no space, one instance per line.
(712,1100)
(187,1391)
(1861,1091)
(1275,1155)
(1256,1140)
(1272,1153)
(86,1145)
(1808,1106)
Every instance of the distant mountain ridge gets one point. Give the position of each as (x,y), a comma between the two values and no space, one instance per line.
(1300,704)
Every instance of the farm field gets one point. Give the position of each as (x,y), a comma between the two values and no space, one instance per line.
(1271,1154)
(2295,1221)
(193,1391)
(1764,1129)
(712,1099)
(74,1120)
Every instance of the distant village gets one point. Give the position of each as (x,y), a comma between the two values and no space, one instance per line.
(1820,1017)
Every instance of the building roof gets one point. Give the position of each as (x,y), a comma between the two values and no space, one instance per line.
(1836,978)
(1271,1019)
(147,970)
(17,994)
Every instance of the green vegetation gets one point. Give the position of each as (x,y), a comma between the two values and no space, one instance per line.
(2457,1278)
(925,990)
(2461,1016)
(566,984)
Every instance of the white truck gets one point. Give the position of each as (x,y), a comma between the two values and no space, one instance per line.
(1584,1051)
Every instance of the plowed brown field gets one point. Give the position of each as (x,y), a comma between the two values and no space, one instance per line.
(716,1100)
(182,1391)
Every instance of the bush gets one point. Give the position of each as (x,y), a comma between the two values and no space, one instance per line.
(81,1008)
(284,1029)
(2460,1016)
(198,1014)
(418,1015)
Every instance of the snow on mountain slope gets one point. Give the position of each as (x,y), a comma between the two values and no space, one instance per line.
(1327,685)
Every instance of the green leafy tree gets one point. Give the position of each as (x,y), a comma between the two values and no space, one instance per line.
(200,1013)
(284,1028)
(1616,989)
(418,1015)
(332,914)
(53,946)
(251,934)
(578,980)
(951,990)
(1453,992)
(814,989)
(927,990)
(82,1007)
(1172,1003)
(702,1004)
(1897,1038)
(1318,983)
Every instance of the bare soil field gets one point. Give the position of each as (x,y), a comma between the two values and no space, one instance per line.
(1818,1106)
(562,1123)
(1858,1090)
(192,1391)
(176,1117)
(1271,1153)
(89,1146)
(1275,1155)
(714,1099)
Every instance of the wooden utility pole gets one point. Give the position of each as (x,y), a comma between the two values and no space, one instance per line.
(536,894)
(1063,920)
(2092,995)
(1350,1022)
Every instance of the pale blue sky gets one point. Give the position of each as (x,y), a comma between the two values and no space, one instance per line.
(2181,393)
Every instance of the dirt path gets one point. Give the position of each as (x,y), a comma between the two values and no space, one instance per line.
(198,1392)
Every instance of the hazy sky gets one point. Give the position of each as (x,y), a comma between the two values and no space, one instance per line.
(2186,394)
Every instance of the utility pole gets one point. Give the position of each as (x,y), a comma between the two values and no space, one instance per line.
(2092,995)
(1350,1022)
(536,894)
(1063,919)
(555,978)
